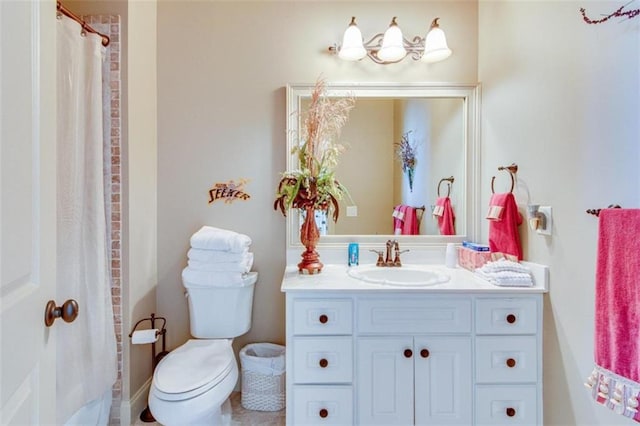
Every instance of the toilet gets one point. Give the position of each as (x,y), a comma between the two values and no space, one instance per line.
(192,384)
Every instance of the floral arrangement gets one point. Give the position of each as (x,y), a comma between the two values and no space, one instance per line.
(406,153)
(313,184)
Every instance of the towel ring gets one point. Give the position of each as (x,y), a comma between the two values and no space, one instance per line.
(449,179)
(512,169)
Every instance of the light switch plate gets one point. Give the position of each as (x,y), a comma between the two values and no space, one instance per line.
(352,211)
(546,211)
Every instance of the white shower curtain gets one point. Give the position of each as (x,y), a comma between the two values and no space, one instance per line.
(86,348)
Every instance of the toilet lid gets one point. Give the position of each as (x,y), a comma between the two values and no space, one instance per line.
(193,365)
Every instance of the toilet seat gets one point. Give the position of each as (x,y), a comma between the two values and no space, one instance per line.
(193,368)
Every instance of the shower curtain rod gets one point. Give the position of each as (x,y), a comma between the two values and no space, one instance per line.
(85,27)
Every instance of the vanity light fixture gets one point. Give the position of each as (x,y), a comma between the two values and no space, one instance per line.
(392,47)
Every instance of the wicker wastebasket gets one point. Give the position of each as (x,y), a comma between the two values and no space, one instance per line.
(263,376)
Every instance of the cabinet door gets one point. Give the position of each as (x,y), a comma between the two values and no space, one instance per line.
(443,385)
(384,380)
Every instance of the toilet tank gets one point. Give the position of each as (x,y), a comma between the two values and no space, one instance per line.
(221,312)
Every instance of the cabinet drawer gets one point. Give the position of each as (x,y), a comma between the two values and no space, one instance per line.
(506,316)
(506,405)
(326,405)
(322,360)
(322,316)
(415,315)
(506,359)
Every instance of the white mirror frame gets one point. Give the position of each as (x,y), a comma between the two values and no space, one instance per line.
(469,93)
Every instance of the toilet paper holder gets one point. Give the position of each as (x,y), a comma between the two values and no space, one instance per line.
(161,333)
(146,415)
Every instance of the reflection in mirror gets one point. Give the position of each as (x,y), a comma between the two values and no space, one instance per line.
(437,123)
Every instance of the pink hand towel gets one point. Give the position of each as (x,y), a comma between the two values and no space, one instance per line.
(503,227)
(447,219)
(410,224)
(615,380)
(398,218)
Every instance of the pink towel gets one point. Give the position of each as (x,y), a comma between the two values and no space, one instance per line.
(410,224)
(504,219)
(615,381)
(398,218)
(405,221)
(446,217)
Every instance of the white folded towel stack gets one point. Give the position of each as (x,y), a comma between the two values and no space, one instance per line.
(218,257)
(506,273)
(211,238)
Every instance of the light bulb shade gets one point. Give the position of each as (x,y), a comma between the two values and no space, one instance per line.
(352,48)
(392,49)
(435,46)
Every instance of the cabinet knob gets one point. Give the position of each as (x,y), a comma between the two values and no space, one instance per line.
(408,353)
(511,318)
(511,412)
(323,319)
(323,363)
(424,353)
(511,362)
(323,413)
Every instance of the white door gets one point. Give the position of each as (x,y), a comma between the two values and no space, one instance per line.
(385,380)
(27,210)
(443,385)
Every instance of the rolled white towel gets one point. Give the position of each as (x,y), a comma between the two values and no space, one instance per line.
(243,265)
(212,278)
(204,255)
(212,238)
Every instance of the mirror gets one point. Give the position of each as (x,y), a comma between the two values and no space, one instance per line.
(439,122)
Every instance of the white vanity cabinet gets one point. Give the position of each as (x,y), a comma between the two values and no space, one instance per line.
(442,355)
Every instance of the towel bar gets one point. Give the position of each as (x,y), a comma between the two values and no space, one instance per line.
(596,212)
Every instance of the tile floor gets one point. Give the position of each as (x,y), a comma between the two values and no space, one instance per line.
(242,417)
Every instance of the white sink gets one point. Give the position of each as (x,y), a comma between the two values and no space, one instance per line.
(412,276)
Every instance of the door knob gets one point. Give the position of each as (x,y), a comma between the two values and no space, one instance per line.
(68,312)
(424,353)
(408,353)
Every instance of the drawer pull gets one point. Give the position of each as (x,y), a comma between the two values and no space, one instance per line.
(424,353)
(408,353)
(323,413)
(511,318)
(511,412)
(511,362)
(323,319)
(323,363)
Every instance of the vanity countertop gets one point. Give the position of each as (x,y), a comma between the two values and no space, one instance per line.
(335,277)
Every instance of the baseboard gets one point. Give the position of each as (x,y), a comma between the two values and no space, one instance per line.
(130,410)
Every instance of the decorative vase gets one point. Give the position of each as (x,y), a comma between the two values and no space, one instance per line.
(309,236)
(410,176)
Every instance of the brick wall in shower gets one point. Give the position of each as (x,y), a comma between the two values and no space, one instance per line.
(110,25)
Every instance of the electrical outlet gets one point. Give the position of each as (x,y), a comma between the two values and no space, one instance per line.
(352,211)
(548,220)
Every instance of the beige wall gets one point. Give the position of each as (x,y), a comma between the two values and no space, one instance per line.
(368,138)
(142,196)
(222,69)
(560,99)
